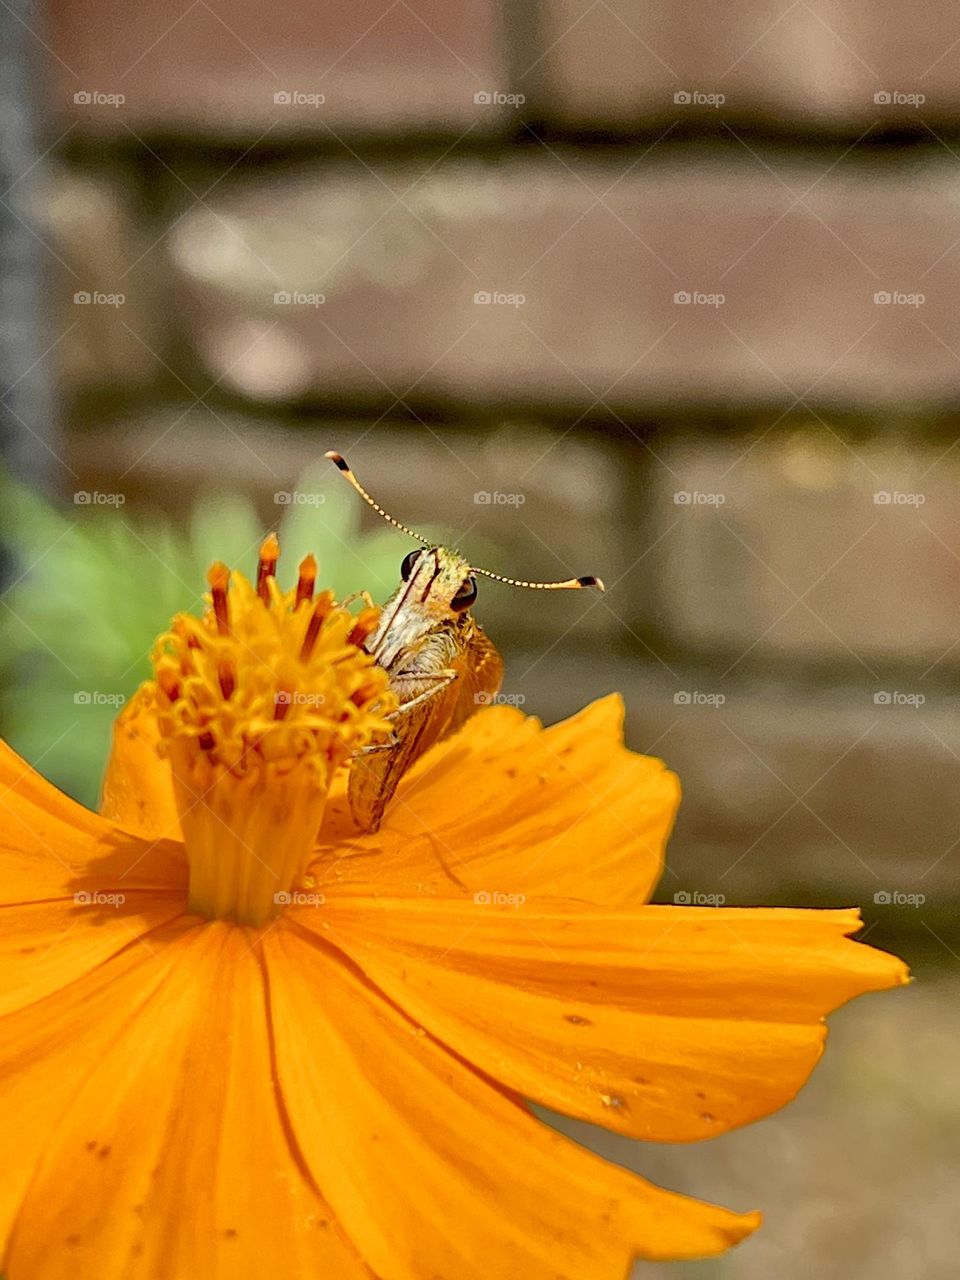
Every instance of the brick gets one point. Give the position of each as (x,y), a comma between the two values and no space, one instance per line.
(199,68)
(810,547)
(598,250)
(618,63)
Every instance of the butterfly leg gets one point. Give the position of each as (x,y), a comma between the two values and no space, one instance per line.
(443,680)
(365,596)
(392,741)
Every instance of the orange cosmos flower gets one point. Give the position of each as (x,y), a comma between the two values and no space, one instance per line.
(229,1051)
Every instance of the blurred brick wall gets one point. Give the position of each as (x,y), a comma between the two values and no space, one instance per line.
(683,278)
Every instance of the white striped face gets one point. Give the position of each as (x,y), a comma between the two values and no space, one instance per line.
(436,589)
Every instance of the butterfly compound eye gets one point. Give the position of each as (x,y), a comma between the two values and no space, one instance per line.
(465,596)
(406,566)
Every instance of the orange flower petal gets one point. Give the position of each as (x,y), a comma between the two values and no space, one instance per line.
(73,890)
(666,1023)
(137,792)
(47,1050)
(52,847)
(165,1152)
(505,804)
(434,1171)
(46,945)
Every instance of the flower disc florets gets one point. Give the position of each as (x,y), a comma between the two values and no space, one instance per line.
(258,702)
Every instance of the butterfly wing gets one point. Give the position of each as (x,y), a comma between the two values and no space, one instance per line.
(431,707)
(480,680)
(428,691)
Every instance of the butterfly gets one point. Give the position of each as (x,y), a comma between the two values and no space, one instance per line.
(442,665)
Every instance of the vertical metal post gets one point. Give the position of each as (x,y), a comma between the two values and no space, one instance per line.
(28,429)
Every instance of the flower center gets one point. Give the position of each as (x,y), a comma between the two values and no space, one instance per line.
(258,703)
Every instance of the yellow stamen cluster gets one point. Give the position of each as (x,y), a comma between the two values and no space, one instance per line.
(258,702)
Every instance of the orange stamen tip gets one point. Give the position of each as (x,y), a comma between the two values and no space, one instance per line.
(322,606)
(218,576)
(270,549)
(226,678)
(366,623)
(307,579)
(267,566)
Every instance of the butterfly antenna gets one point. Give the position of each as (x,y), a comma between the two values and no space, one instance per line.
(341,464)
(571,584)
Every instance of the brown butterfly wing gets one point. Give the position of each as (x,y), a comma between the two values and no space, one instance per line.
(480,679)
(375,775)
